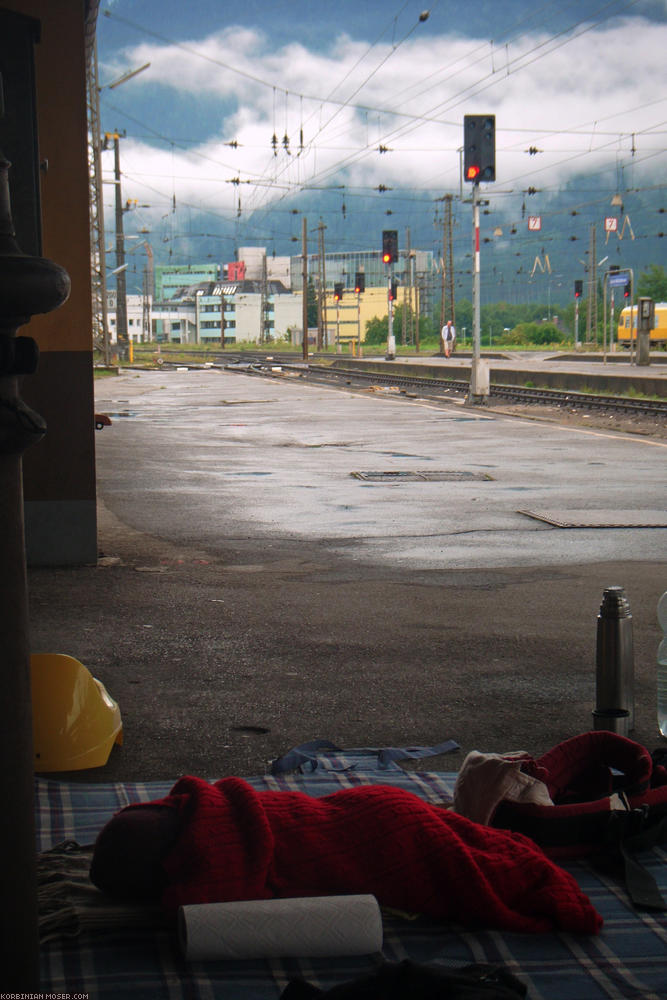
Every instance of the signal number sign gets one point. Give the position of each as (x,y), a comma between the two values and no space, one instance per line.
(534,223)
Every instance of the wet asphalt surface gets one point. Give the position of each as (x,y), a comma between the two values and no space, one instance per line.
(252,594)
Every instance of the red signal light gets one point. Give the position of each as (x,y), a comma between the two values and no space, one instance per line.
(389,246)
(472,172)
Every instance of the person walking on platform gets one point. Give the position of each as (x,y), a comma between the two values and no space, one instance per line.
(448,337)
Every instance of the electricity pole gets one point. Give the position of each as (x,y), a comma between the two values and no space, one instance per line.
(96,201)
(322,288)
(304,278)
(262,305)
(96,212)
(121,285)
(592,303)
(406,291)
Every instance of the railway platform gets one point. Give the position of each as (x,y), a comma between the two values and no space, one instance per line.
(261,582)
(614,375)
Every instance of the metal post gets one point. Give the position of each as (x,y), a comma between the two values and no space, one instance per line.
(644,318)
(121,285)
(98,252)
(391,340)
(28,285)
(418,305)
(322,334)
(604,317)
(476,341)
(337,327)
(479,371)
(304,282)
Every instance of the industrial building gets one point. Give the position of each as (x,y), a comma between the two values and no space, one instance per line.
(258,298)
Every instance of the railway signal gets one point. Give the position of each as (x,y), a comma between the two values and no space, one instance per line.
(578,288)
(360,282)
(479,148)
(338,291)
(389,246)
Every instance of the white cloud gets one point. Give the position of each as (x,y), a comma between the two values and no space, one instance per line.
(586,105)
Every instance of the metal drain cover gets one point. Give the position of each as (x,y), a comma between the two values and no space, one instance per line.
(600,518)
(429,476)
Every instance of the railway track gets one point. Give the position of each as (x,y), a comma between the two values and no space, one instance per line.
(262,364)
(457,388)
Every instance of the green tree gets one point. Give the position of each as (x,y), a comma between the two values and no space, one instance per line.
(533,333)
(376,330)
(463,319)
(653,283)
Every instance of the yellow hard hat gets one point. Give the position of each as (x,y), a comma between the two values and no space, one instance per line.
(75,721)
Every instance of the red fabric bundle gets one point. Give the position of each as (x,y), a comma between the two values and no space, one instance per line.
(581,775)
(238,843)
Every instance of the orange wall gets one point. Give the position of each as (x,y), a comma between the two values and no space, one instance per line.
(61,115)
(59,471)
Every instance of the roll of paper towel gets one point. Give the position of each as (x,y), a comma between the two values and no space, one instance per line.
(314,926)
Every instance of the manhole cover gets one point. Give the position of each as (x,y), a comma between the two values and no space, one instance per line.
(429,476)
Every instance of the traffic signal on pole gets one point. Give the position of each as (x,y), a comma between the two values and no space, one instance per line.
(479,148)
(389,246)
(578,289)
(393,289)
(360,282)
(338,291)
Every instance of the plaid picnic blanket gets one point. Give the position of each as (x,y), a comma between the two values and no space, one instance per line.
(628,959)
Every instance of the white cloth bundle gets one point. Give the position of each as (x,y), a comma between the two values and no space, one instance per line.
(313,927)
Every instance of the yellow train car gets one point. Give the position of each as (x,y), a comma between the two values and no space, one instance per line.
(658,335)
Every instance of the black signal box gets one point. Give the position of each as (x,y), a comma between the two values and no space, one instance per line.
(479,148)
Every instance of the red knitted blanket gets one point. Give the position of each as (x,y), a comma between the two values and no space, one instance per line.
(238,843)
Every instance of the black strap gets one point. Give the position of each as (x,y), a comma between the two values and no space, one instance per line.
(410,980)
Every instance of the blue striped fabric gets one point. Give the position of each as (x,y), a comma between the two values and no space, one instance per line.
(627,960)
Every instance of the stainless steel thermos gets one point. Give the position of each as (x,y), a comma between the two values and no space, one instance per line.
(614,665)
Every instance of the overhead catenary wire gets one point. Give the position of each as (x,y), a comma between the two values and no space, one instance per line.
(459,97)
(333,167)
(291,188)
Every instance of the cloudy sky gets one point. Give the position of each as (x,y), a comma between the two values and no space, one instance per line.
(361,95)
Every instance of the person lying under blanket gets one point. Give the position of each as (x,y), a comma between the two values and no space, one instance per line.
(226,841)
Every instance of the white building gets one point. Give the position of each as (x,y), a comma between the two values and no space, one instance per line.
(138,324)
(259,305)
(277,268)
